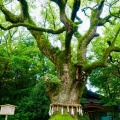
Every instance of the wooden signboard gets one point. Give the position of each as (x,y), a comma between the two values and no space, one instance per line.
(7,110)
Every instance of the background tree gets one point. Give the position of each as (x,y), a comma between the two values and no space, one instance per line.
(106,79)
(21,72)
(72,75)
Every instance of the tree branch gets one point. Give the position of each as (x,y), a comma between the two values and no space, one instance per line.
(10,16)
(44,45)
(90,34)
(76,7)
(69,25)
(24,9)
(94,22)
(42,42)
(31,27)
(16,18)
(84,10)
(103,62)
(104,20)
(60,3)
(114,14)
(79,20)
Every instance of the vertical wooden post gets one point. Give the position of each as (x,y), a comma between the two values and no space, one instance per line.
(6,117)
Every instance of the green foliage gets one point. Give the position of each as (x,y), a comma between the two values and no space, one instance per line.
(17,75)
(107,81)
(36,106)
(86,117)
(61,117)
(21,69)
(99,45)
(53,82)
(19,116)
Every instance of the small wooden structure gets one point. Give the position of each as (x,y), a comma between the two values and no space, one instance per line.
(7,109)
(98,111)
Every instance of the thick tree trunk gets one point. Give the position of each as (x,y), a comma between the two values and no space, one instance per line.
(67,99)
(65,93)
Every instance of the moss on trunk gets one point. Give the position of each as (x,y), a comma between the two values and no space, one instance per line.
(66,95)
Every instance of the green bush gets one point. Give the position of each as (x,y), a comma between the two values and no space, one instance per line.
(61,117)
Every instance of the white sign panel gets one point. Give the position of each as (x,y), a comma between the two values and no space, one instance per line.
(7,109)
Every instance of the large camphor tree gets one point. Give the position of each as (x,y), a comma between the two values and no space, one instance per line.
(74,57)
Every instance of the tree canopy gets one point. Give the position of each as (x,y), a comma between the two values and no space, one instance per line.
(100,13)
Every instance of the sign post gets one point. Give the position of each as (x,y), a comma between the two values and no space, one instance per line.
(7,110)
(6,117)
